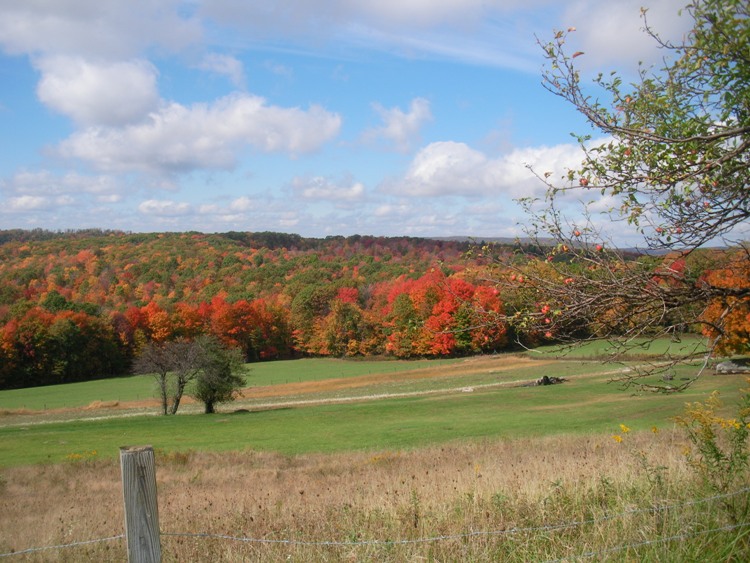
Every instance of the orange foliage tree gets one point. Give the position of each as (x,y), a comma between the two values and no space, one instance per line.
(727,317)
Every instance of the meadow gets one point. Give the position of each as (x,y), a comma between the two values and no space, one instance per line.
(456,460)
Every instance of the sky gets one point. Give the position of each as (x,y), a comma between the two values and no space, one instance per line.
(315,117)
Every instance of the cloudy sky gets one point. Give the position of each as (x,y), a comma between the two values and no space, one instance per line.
(316,117)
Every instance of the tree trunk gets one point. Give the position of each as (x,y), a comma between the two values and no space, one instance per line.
(163,391)
(177,397)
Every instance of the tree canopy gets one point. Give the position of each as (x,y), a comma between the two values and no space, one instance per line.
(677,143)
(674,158)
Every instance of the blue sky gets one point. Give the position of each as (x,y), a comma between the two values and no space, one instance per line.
(316,117)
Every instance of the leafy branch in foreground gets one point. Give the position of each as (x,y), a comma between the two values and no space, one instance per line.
(674,159)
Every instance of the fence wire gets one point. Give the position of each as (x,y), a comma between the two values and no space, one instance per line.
(461,536)
(61,546)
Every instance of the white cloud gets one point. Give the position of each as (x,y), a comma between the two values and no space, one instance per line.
(45,182)
(112,29)
(487,32)
(98,93)
(27,203)
(317,17)
(470,30)
(241,204)
(421,12)
(226,65)
(448,168)
(612,32)
(320,188)
(232,212)
(400,128)
(391,209)
(179,138)
(289,220)
(112,198)
(164,208)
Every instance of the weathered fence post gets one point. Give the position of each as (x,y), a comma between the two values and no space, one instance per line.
(141,508)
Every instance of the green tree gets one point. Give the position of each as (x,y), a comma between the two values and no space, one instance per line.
(676,159)
(678,155)
(218,380)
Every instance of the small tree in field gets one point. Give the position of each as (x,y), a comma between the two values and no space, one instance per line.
(218,380)
(174,364)
(676,160)
(156,360)
(202,367)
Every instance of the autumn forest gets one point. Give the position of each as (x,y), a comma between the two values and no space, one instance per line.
(79,305)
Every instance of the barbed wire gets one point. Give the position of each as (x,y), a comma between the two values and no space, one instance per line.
(464,535)
(61,546)
(432,539)
(590,554)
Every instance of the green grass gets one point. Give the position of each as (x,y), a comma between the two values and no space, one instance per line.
(131,388)
(521,374)
(637,348)
(584,405)
(139,387)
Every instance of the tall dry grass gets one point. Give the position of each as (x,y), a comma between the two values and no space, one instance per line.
(448,495)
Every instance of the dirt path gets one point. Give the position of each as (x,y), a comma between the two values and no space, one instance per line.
(470,366)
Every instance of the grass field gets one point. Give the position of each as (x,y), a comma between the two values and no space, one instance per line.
(325,460)
(685,345)
(139,387)
(363,406)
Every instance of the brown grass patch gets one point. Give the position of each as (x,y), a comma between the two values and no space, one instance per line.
(94,405)
(437,491)
(466,367)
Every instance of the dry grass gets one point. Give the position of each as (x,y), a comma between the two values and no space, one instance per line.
(441,491)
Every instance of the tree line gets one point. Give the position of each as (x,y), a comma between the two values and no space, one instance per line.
(77,306)
(74,308)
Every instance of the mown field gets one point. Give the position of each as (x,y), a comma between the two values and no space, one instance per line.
(315,406)
(334,460)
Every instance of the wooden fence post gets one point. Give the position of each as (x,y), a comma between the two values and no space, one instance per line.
(141,508)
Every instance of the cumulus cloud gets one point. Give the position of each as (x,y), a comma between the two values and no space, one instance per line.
(98,93)
(401,128)
(448,168)
(164,208)
(46,183)
(27,203)
(320,188)
(111,29)
(241,204)
(180,139)
(393,209)
(613,32)
(233,211)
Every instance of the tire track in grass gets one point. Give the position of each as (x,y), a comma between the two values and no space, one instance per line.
(332,385)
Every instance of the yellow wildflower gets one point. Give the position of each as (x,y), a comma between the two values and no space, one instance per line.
(617,438)
(624,429)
